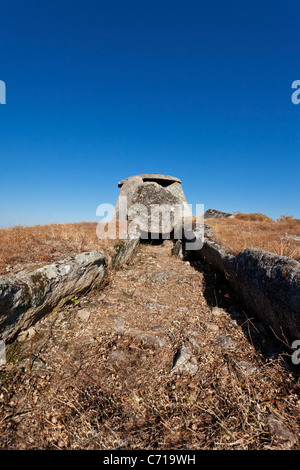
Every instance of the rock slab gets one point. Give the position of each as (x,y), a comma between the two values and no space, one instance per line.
(267,284)
(25,299)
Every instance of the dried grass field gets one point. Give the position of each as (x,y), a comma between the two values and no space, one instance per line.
(245,231)
(42,244)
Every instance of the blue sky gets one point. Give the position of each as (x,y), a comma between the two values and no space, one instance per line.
(101,90)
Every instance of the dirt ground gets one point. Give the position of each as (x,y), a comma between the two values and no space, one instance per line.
(163,357)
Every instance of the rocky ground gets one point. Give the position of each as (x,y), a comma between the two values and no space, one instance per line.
(163,357)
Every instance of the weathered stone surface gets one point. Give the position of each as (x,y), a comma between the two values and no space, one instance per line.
(125,252)
(281,432)
(140,197)
(26,299)
(177,191)
(215,214)
(268,285)
(184,362)
(227,343)
(127,190)
(149,195)
(177,249)
(163,180)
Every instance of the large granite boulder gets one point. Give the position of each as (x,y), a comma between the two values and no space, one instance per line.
(151,203)
(128,188)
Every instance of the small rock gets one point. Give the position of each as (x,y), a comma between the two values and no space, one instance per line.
(168,243)
(160,277)
(118,323)
(151,339)
(247,368)
(218,311)
(161,341)
(227,343)
(280,431)
(151,307)
(184,361)
(83,315)
(25,335)
(212,326)
(194,342)
(242,368)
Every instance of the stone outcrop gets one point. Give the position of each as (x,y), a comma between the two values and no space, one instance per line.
(25,299)
(268,285)
(125,252)
(215,214)
(153,220)
(128,188)
(162,180)
(143,194)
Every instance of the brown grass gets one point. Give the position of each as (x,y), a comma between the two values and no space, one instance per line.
(258,232)
(255,217)
(91,385)
(42,244)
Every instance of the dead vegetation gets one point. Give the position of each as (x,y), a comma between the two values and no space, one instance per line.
(98,374)
(258,231)
(43,244)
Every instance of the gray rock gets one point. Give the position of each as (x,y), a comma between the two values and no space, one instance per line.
(177,191)
(155,204)
(125,252)
(242,368)
(163,180)
(151,339)
(215,214)
(83,315)
(127,191)
(184,362)
(160,276)
(218,311)
(26,335)
(280,431)
(267,285)
(212,326)
(193,342)
(177,249)
(25,299)
(154,219)
(227,343)
(2,353)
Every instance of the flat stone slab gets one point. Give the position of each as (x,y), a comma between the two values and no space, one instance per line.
(25,299)
(163,180)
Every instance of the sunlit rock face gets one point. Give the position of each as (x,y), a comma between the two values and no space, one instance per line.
(156,202)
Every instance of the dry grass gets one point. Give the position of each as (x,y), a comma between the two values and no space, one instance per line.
(255,217)
(94,385)
(258,232)
(42,244)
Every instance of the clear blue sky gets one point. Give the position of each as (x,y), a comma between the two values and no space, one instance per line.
(101,90)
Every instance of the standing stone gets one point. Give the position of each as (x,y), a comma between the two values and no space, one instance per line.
(127,190)
(144,193)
